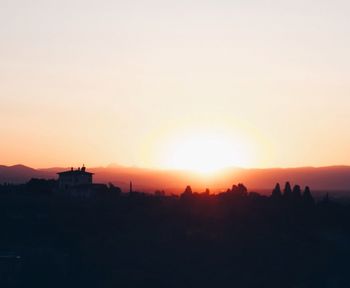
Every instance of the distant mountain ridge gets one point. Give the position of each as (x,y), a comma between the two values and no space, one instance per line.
(173,181)
(17,173)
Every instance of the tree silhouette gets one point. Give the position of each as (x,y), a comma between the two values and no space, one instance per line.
(287,192)
(187,192)
(296,193)
(276,192)
(243,191)
(307,197)
(239,190)
(234,189)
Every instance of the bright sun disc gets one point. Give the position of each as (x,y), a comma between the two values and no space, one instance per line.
(206,153)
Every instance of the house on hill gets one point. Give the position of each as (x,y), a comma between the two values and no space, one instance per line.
(72,178)
(78,184)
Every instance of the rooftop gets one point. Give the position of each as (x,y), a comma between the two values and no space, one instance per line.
(79,171)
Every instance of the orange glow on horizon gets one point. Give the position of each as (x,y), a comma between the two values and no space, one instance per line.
(206,153)
(202,147)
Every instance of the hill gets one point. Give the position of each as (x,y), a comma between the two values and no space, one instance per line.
(332,178)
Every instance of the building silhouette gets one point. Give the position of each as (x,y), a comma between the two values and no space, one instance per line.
(72,178)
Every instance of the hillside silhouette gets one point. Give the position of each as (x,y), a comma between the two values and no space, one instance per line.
(332,179)
(237,238)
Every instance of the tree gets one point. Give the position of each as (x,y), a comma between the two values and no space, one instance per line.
(276,192)
(287,192)
(114,189)
(188,191)
(307,197)
(234,189)
(242,190)
(296,192)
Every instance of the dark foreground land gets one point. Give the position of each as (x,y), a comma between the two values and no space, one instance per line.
(235,239)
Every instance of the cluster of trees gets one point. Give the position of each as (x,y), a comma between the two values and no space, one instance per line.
(238,190)
(288,194)
(294,194)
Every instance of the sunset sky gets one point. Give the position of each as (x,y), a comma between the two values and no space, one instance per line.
(175,84)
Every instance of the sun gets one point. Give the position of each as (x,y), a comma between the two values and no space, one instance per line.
(206,153)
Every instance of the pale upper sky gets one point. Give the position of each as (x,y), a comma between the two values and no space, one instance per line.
(144,82)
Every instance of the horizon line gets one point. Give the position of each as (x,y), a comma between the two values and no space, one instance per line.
(114,165)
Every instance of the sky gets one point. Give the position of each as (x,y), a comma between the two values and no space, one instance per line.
(175,84)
